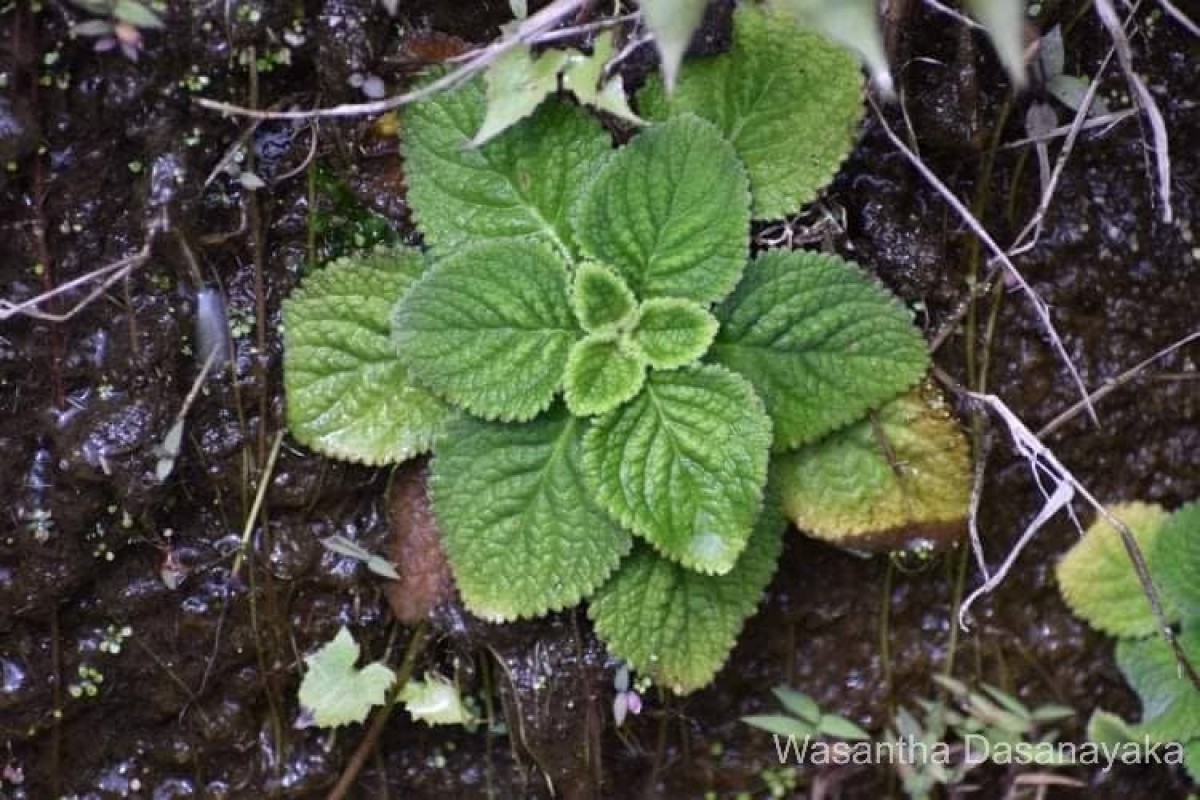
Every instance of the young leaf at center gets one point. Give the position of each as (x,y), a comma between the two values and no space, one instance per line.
(601,300)
(522,533)
(683,464)
(821,343)
(673,332)
(489,329)
(670,212)
(600,376)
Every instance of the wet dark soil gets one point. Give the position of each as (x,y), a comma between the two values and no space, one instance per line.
(140,658)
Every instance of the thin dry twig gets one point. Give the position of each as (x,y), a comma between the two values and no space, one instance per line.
(1112,384)
(1045,466)
(1177,15)
(528,32)
(110,274)
(1158,125)
(1039,306)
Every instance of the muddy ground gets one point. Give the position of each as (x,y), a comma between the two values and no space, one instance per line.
(121,588)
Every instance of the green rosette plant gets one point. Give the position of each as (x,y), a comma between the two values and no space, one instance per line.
(601,369)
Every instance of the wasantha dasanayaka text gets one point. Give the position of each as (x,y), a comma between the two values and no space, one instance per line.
(975,749)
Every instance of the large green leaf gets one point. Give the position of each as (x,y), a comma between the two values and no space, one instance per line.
(676,625)
(1176,559)
(820,341)
(670,212)
(673,332)
(1170,703)
(1097,579)
(348,395)
(789,101)
(683,464)
(601,376)
(516,187)
(489,329)
(900,479)
(522,534)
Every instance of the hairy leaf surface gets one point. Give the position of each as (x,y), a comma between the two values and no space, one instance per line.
(899,479)
(672,332)
(522,533)
(677,625)
(516,187)
(600,376)
(670,213)
(348,395)
(683,464)
(1176,557)
(601,300)
(1170,703)
(789,101)
(489,329)
(1096,577)
(819,340)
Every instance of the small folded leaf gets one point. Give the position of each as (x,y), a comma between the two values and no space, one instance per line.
(489,329)
(335,691)
(522,534)
(434,701)
(673,23)
(901,478)
(1175,559)
(798,703)
(348,394)
(601,300)
(583,76)
(1107,728)
(1096,577)
(821,342)
(676,625)
(672,332)
(136,14)
(1004,21)
(516,187)
(790,103)
(600,376)
(854,24)
(517,83)
(1170,703)
(683,465)
(670,213)
(841,728)
(781,725)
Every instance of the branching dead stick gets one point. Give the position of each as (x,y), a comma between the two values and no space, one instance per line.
(1039,306)
(527,32)
(1044,464)
(1115,383)
(111,273)
(1158,126)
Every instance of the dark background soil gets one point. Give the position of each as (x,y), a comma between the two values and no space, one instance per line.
(200,699)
